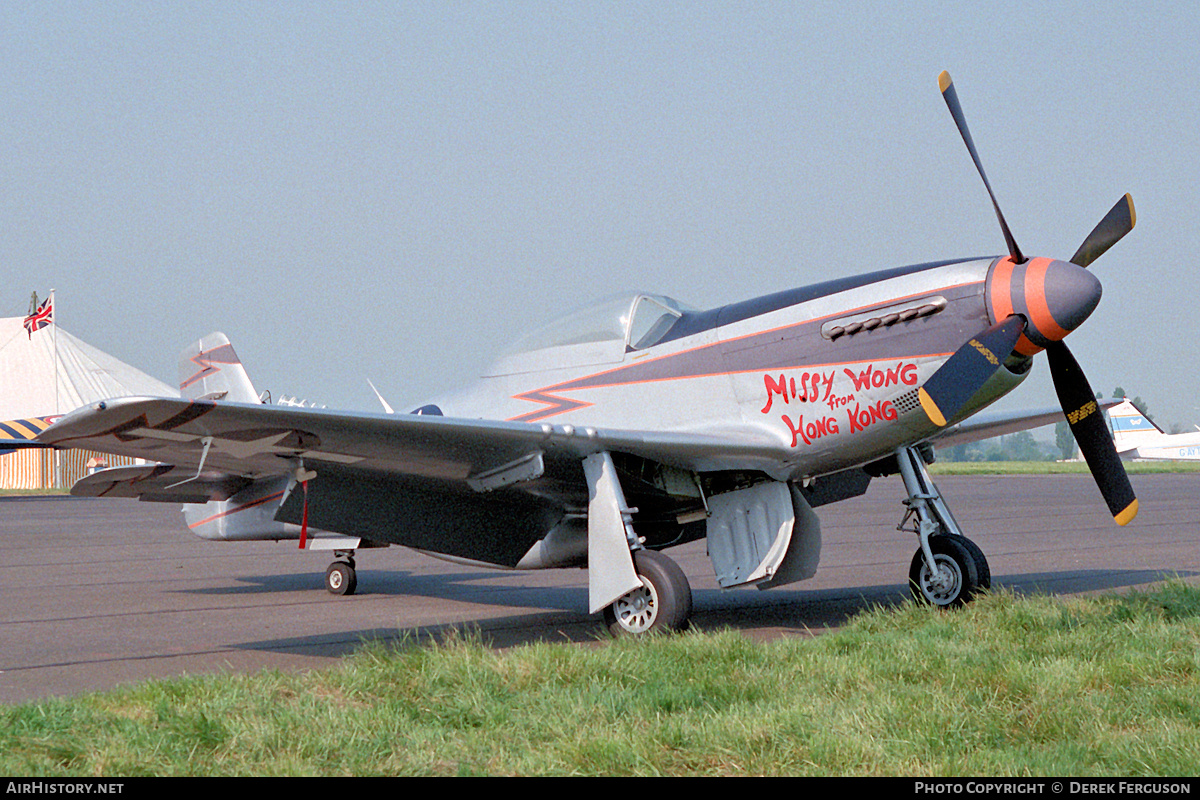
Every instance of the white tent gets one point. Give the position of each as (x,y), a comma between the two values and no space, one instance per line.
(52,372)
(49,373)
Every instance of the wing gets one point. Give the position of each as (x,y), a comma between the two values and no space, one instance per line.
(259,440)
(987,426)
(436,483)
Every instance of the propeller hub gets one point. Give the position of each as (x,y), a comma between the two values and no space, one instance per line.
(1053,296)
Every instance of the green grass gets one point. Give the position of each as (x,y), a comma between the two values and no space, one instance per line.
(1005,687)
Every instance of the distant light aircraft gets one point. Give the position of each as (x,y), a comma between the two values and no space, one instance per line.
(1135,436)
(641,423)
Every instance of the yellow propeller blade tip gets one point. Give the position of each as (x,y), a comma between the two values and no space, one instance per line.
(1127,514)
(944,80)
(1132,210)
(931,410)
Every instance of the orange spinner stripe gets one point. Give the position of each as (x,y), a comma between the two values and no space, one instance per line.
(1026,347)
(1002,306)
(1035,301)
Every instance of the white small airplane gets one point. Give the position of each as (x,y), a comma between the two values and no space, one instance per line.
(641,423)
(1136,437)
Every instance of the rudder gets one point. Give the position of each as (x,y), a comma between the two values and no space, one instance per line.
(1131,427)
(210,370)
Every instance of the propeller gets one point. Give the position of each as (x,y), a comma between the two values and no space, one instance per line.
(1091,432)
(1037,303)
(1116,223)
(951,97)
(956,381)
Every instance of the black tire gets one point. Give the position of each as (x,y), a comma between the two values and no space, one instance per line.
(662,604)
(981,563)
(958,566)
(341,579)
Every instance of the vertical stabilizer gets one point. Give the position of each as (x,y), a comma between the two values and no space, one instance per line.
(210,370)
(1131,428)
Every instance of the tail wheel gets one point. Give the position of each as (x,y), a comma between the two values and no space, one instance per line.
(341,578)
(957,577)
(662,603)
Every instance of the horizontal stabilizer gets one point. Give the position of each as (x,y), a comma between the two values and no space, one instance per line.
(159,483)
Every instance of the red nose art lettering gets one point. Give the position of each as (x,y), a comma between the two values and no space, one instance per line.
(811,430)
(863,418)
(774,388)
(871,378)
(861,413)
(805,387)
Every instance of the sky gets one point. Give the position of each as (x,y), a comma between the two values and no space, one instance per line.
(389,192)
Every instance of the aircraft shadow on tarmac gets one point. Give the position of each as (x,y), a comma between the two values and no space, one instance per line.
(560,616)
(468,586)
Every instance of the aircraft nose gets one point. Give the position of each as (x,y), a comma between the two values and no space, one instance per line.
(1055,297)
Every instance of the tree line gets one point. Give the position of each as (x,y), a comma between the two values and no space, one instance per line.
(1022,446)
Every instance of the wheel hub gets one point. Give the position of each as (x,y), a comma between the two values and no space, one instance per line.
(942,580)
(637,610)
(944,585)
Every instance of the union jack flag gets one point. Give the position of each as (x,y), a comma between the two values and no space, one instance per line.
(40,317)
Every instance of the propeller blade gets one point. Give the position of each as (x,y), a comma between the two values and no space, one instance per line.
(957,381)
(951,97)
(1116,223)
(1091,432)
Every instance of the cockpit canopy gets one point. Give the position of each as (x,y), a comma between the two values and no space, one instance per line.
(600,333)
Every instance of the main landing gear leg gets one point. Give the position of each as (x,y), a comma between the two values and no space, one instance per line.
(948,569)
(640,591)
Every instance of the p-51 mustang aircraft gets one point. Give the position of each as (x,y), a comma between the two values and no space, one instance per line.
(641,423)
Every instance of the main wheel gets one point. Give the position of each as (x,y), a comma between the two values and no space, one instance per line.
(957,578)
(662,603)
(341,578)
(981,563)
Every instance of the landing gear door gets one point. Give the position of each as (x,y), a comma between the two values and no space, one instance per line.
(750,533)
